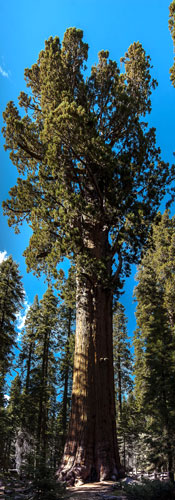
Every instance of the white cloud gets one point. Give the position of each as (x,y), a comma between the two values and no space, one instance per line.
(7,397)
(21,317)
(3,256)
(3,72)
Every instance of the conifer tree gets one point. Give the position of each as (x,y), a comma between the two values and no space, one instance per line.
(122,374)
(66,312)
(28,366)
(29,340)
(39,345)
(13,419)
(155,341)
(90,182)
(66,323)
(130,428)
(47,343)
(122,356)
(11,300)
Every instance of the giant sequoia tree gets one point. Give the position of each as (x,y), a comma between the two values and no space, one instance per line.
(90,181)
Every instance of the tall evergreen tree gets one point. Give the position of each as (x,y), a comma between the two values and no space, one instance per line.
(47,343)
(155,340)
(122,356)
(65,367)
(28,367)
(91,179)
(38,363)
(11,300)
(122,374)
(13,419)
(67,327)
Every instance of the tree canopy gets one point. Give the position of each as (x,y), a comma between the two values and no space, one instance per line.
(86,159)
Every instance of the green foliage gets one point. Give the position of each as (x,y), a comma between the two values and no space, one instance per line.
(11,300)
(90,174)
(45,364)
(122,355)
(150,490)
(155,342)
(123,381)
(45,485)
(14,406)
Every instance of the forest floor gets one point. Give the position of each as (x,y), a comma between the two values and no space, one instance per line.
(15,489)
(105,490)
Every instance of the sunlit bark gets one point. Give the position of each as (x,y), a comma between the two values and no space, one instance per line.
(91,451)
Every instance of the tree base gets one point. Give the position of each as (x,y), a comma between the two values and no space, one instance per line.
(77,474)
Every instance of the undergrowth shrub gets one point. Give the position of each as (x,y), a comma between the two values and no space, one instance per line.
(45,485)
(150,490)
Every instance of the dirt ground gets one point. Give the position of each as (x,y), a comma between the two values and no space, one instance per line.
(91,491)
(94,491)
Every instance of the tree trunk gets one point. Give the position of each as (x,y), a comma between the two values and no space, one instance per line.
(66,380)
(119,384)
(42,415)
(91,451)
(29,366)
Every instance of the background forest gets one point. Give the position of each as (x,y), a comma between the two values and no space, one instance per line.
(35,417)
(36,367)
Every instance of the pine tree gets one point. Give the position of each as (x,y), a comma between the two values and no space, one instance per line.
(29,340)
(122,373)
(11,300)
(13,418)
(38,363)
(91,179)
(47,343)
(27,364)
(66,323)
(130,429)
(122,356)
(155,341)
(67,288)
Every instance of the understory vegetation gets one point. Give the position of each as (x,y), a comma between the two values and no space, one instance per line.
(150,490)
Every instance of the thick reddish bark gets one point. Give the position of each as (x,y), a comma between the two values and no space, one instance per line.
(91,451)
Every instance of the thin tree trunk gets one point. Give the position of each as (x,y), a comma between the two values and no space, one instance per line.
(66,380)
(45,404)
(91,451)
(29,367)
(119,384)
(41,416)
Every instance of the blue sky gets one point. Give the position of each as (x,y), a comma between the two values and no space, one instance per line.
(111,25)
